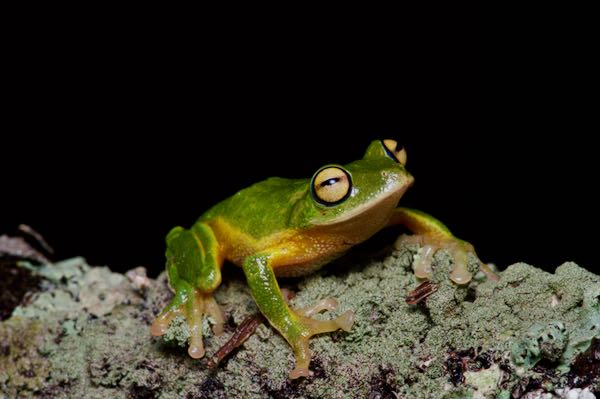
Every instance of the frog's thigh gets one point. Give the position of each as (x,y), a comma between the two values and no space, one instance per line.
(193,257)
(209,273)
(295,327)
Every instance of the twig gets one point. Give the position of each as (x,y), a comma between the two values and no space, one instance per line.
(17,247)
(240,335)
(422,291)
(38,237)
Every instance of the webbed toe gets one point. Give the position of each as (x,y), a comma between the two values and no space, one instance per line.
(458,249)
(193,305)
(308,327)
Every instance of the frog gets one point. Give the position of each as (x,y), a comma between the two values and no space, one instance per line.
(284,227)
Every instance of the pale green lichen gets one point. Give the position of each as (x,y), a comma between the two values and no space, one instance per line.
(484,382)
(541,341)
(91,336)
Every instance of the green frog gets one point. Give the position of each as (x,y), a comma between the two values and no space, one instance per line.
(291,227)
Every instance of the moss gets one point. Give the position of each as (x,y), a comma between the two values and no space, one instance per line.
(87,335)
(22,367)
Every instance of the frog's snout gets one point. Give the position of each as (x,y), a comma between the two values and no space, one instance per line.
(403,181)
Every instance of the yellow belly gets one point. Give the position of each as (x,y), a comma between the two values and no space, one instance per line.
(292,252)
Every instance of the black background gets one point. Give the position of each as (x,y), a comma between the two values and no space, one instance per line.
(114,135)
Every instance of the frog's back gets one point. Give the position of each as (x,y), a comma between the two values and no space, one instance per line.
(260,210)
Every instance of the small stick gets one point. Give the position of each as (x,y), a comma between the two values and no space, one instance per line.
(422,291)
(30,231)
(18,248)
(243,332)
(240,335)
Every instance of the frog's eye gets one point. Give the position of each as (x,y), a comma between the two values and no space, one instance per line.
(394,150)
(331,185)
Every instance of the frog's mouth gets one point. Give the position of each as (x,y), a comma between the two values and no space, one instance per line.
(372,216)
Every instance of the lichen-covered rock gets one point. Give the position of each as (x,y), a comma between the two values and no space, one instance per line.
(86,334)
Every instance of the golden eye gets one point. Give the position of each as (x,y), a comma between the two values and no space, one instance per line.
(331,185)
(395,150)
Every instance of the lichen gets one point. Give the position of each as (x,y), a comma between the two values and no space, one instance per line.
(85,334)
(21,364)
(484,382)
(542,341)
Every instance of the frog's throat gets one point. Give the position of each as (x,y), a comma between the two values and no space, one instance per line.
(383,205)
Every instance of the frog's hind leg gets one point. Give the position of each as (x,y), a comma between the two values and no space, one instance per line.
(296,326)
(193,265)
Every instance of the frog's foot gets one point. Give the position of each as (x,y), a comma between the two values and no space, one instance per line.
(306,327)
(458,249)
(193,305)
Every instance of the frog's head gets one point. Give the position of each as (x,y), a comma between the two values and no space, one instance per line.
(359,197)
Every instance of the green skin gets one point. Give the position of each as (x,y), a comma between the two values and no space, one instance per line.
(282,227)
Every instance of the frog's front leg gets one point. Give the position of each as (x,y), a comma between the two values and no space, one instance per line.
(433,235)
(296,326)
(194,270)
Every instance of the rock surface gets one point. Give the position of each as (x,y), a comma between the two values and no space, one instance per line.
(84,332)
